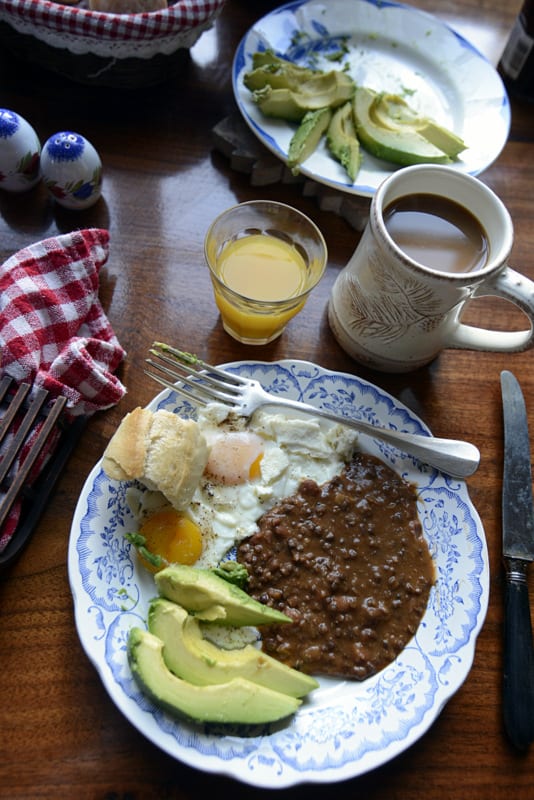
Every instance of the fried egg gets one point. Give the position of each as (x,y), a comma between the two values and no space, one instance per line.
(235,458)
(252,465)
(171,535)
(255,463)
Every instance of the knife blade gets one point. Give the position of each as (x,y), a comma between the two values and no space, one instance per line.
(518,551)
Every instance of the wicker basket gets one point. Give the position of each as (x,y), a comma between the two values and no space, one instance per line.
(121,50)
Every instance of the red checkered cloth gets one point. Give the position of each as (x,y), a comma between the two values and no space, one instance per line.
(181,16)
(53,330)
(54,333)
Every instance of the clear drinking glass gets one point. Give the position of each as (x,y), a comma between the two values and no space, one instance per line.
(264,259)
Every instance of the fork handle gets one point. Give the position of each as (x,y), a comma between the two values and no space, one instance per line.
(453,457)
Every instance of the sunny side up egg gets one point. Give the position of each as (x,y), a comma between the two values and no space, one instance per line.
(252,465)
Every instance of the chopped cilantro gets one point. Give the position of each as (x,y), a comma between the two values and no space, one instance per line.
(232,572)
(139,543)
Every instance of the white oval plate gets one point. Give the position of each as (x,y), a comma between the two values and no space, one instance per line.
(345,728)
(389,47)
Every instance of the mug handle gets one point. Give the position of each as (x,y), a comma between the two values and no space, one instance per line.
(509,285)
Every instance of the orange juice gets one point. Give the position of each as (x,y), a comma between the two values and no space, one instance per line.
(262,267)
(264,260)
(261,282)
(250,324)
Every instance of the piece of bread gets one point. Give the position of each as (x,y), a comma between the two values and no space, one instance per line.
(161,450)
(127,6)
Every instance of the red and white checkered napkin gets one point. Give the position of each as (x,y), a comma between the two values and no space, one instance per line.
(54,333)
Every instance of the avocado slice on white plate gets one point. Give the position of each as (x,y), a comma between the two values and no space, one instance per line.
(192,657)
(389,130)
(212,598)
(237,701)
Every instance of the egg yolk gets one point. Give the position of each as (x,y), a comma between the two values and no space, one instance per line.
(255,468)
(235,458)
(172,536)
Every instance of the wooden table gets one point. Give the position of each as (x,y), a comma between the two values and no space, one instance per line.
(61,736)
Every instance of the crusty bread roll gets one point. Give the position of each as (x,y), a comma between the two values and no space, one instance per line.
(161,450)
(127,6)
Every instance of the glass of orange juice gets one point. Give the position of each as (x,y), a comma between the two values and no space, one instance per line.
(264,259)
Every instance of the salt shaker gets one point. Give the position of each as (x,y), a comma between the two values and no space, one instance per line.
(517,61)
(72,170)
(20,151)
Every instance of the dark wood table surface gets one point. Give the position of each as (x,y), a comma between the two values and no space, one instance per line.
(61,735)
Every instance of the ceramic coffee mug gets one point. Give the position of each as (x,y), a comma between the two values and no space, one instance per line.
(394,313)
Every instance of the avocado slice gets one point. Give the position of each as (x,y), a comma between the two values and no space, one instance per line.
(342,141)
(281,103)
(210,597)
(238,701)
(268,58)
(268,68)
(276,77)
(442,138)
(403,145)
(193,658)
(307,136)
(323,89)
(393,112)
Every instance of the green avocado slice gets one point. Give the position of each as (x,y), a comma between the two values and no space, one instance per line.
(442,138)
(393,112)
(307,136)
(276,77)
(209,597)
(342,141)
(403,145)
(324,89)
(195,659)
(238,701)
(268,58)
(276,72)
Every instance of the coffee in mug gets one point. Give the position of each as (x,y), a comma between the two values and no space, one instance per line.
(437,239)
(438,232)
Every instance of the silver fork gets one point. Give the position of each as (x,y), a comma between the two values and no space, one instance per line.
(181,371)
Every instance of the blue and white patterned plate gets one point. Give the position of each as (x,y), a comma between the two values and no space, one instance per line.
(345,728)
(389,47)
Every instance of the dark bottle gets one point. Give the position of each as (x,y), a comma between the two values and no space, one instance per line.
(517,61)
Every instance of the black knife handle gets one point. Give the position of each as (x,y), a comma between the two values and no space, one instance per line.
(518,685)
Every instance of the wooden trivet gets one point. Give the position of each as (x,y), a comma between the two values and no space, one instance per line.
(248,155)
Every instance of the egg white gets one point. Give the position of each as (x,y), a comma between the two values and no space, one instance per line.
(294,448)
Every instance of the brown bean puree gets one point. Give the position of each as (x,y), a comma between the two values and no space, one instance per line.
(347,561)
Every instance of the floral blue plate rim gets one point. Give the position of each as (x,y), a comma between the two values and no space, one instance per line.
(387,46)
(345,728)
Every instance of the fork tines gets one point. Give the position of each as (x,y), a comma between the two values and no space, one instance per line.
(30,422)
(192,377)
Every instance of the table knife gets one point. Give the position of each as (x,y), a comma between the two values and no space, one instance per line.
(518,551)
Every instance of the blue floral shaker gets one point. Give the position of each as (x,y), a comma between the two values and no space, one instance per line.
(71,170)
(20,151)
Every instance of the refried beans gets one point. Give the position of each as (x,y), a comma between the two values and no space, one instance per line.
(347,561)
